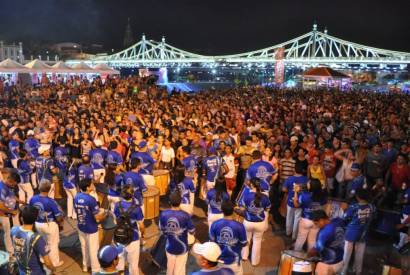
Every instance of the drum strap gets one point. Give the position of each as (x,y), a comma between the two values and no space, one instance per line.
(127,213)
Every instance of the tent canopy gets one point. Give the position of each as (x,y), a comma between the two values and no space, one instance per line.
(324,72)
(61,67)
(82,68)
(11,66)
(38,66)
(105,69)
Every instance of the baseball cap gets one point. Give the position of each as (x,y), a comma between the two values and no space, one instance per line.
(294,138)
(108,253)
(212,150)
(43,148)
(355,166)
(98,142)
(209,250)
(30,133)
(142,144)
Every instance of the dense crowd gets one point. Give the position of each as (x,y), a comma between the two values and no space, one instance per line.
(253,152)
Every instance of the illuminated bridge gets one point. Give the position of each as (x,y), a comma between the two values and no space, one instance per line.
(311,49)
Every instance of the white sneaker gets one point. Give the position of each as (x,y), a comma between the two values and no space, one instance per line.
(85,269)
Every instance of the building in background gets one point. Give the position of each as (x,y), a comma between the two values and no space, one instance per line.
(14,52)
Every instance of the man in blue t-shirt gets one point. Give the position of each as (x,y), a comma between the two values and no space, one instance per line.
(212,166)
(147,162)
(175,224)
(293,214)
(127,205)
(329,243)
(24,240)
(97,159)
(44,163)
(88,215)
(85,171)
(14,148)
(108,257)
(262,170)
(230,235)
(207,256)
(135,179)
(358,217)
(358,182)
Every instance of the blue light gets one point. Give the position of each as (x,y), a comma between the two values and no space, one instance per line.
(213,71)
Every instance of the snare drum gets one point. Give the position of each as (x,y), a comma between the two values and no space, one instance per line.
(151,202)
(288,259)
(334,208)
(161,180)
(390,270)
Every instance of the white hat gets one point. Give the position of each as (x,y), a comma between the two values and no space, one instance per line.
(98,142)
(294,138)
(209,250)
(303,267)
(30,133)
(43,148)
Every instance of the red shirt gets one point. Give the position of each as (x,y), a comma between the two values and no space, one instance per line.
(399,175)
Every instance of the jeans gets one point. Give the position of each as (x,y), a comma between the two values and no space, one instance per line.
(293,216)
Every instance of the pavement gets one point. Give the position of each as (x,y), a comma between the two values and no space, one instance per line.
(379,249)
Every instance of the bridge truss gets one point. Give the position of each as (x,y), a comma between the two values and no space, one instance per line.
(312,48)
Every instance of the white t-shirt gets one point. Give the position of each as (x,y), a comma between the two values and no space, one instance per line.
(167,154)
(230,162)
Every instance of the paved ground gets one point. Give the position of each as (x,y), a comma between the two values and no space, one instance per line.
(378,252)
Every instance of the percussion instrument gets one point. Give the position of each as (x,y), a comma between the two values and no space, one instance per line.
(158,253)
(289,258)
(302,268)
(161,180)
(390,270)
(335,208)
(58,187)
(151,202)
(4,261)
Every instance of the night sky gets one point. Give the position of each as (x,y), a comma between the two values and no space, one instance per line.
(206,26)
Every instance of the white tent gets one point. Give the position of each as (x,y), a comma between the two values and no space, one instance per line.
(105,69)
(61,68)
(38,66)
(11,66)
(83,68)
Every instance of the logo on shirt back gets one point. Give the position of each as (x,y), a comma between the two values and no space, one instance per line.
(173,227)
(226,237)
(253,209)
(97,158)
(262,173)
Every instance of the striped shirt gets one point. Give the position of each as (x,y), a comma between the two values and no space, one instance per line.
(287,168)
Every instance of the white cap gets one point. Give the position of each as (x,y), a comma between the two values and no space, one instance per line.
(30,133)
(209,250)
(303,267)
(43,148)
(98,142)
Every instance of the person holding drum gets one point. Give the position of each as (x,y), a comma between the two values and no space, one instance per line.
(293,213)
(175,224)
(190,162)
(329,244)
(214,198)
(135,179)
(128,206)
(147,162)
(213,165)
(256,204)
(358,217)
(185,186)
(88,215)
(310,200)
(97,158)
(230,235)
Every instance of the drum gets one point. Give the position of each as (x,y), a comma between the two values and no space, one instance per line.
(335,208)
(151,202)
(289,258)
(161,180)
(390,270)
(4,260)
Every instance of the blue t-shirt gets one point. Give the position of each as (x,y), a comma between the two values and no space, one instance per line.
(7,196)
(137,181)
(308,205)
(406,207)
(48,208)
(14,149)
(358,217)
(24,170)
(86,207)
(175,225)
(330,242)
(147,162)
(85,172)
(190,163)
(61,157)
(31,145)
(231,237)
(70,180)
(262,170)
(43,165)
(135,216)
(357,183)
(185,188)
(218,271)
(114,158)
(254,213)
(97,158)
(214,206)
(288,185)
(21,243)
(212,166)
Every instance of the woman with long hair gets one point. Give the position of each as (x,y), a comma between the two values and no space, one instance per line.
(185,186)
(256,206)
(214,198)
(113,179)
(310,201)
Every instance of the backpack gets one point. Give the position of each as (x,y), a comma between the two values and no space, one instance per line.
(124,230)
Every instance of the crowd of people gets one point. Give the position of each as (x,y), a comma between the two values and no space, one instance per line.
(250,154)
